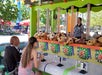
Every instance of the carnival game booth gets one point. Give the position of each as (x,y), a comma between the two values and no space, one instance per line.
(66,54)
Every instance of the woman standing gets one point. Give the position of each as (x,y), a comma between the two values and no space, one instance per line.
(78,29)
(29,58)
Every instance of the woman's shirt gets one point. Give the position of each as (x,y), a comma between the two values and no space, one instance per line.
(78,31)
(27,70)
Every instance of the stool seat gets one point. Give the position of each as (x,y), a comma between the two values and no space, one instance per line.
(2,67)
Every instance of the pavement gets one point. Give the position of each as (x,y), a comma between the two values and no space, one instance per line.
(6,38)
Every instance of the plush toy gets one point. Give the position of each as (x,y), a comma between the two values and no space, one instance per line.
(91,42)
(38,35)
(44,36)
(51,36)
(69,41)
(95,41)
(55,37)
(61,37)
(99,41)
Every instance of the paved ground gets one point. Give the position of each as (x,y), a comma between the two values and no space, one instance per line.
(6,38)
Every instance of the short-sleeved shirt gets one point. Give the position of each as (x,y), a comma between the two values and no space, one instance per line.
(78,31)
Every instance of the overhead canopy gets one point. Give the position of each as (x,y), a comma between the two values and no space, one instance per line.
(81,5)
(2,22)
(25,22)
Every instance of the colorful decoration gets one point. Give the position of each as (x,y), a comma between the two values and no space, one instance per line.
(43,45)
(55,48)
(84,53)
(68,50)
(98,55)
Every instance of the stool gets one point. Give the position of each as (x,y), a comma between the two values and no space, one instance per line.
(1,68)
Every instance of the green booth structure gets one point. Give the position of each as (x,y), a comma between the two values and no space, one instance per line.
(90,54)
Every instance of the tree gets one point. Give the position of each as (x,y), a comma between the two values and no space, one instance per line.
(25,12)
(96,18)
(8,10)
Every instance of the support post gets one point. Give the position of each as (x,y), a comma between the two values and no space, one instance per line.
(58,20)
(66,23)
(88,21)
(33,21)
(72,20)
(52,21)
(77,13)
(47,20)
(38,19)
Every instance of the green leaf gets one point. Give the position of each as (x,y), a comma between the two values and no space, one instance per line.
(8,11)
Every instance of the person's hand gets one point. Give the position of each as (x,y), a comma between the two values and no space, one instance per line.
(77,40)
(42,57)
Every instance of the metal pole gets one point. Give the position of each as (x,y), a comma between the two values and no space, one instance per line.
(38,19)
(88,20)
(47,20)
(52,21)
(67,23)
(58,20)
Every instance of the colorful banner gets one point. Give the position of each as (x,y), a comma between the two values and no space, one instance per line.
(98,56)
(68,50)
(80,52)
(55,48)
(84,53)
(43,46)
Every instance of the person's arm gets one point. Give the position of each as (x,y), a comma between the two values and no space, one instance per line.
(35,59)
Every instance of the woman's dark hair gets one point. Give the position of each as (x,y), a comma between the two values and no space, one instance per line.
(80,18)
(32,40)
(26,56)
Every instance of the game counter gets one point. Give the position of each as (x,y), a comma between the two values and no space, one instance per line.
(69,67)
(80,52)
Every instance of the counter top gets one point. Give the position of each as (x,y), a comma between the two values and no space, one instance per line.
(69,68)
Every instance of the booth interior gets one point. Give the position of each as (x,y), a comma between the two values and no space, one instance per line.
(65,54)
(53,26)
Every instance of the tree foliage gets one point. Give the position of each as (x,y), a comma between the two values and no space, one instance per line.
(25,12)
(8,10)
(96,18)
